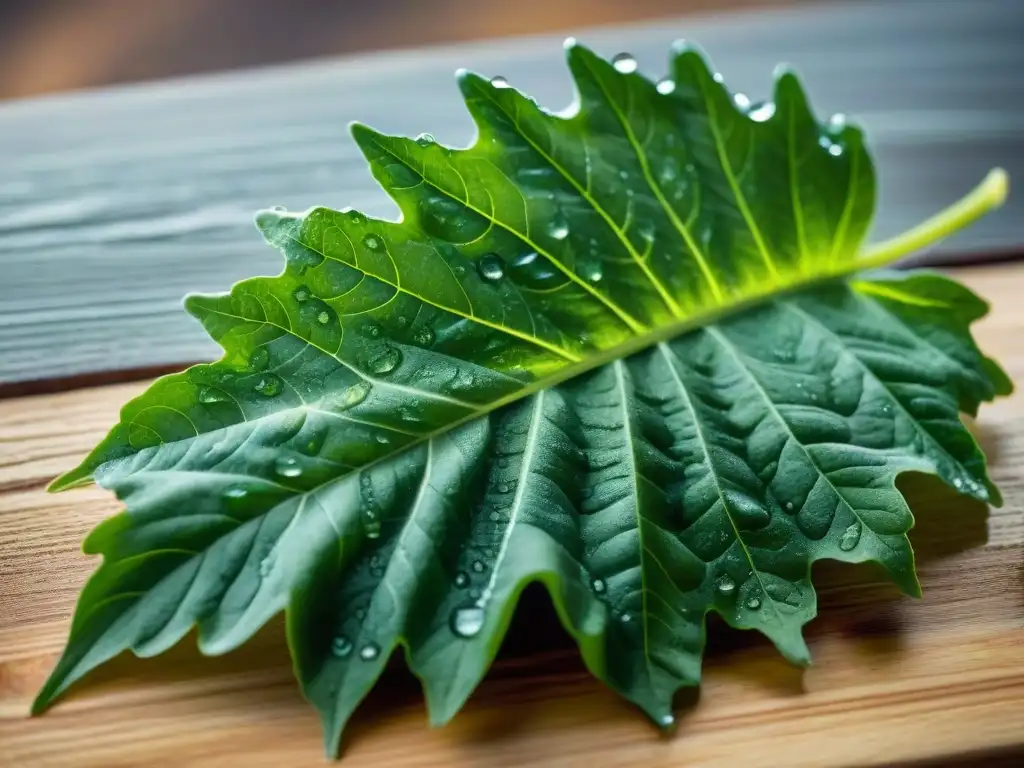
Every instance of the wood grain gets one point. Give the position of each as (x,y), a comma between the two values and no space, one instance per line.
(895,680)
(115,203)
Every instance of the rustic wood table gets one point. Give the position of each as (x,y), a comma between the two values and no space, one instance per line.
(113,204)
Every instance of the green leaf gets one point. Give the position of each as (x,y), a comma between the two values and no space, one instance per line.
(622,352)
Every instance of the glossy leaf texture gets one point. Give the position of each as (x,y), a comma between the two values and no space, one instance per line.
(617,352)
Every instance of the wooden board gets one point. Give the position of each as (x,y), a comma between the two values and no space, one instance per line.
(895,680)
(114,204)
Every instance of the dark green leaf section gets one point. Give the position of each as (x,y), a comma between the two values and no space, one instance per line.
(703,474)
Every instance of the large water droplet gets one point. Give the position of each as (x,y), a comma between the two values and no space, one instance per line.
(624,63)
(351,396)
(461,580)
(598,586)
(210,395)
(341,647)
(467,621)
(288,466)
(837,122)
(725,585)
(753,602)
(491,267)
(425,140)
(762,112)
(259,359)
(269,385)
(369,652)
(741,100)
(499,82)
(373,242)
(324,317)
(558,227)
(235,493)
(666,86)
(385,360)
(850,537)
(301,294)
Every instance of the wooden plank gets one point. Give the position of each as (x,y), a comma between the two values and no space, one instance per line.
(895,680)
(114,204)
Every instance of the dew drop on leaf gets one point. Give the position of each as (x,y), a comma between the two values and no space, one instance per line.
(373,242)
(301,294)
(372,330)
(369,652)
(385,360)
(266,565)
(235,493)
(351,396)
(850,537)
(323,317)
(502,462)
(499,82)
(491,267)
(558,227)
(624,63)
(425,140)
(753,602)
(341,647)
(494,517)
(424,336)
(598,586)
(503,488)
(210,395)
(259,359)
(666,86)
(477,566)
(725,585)
(789,506)
(467,621)
(382,439)
(837,122)
(288,466)
(461,580)
(666,721)
(269,385)
(762,112)
(626,618)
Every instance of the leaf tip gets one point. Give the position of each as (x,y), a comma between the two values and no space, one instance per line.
(73,479)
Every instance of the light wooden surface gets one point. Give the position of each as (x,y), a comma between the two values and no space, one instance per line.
(895,680)
(115,203)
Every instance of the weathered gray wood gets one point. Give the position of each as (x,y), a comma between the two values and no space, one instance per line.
(113,204)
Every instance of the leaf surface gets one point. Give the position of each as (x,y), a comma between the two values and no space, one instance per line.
(618,352)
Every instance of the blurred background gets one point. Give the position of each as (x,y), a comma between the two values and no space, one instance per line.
(57,45)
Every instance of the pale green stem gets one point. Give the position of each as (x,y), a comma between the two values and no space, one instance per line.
(988,195)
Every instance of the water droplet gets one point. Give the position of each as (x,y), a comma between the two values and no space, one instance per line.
(369,652)
(624,175)
(762,112)
(725,585)
(646,230)
(351,396)
(371,527)
(424,336)
(503,488)
(717,77)
(958,483)
(626,618)
(850,537)
(402,321)
(598,586)
(301,294)
(287,466)
(314,444)
(341,647)
(477,566)
(502,462)
(741,100)
(279,209)
(382,439)
(210,395)
(235,492)
(371,330)
(467,621)
(499,82)
(269,385)
(385,360)
(323,317)
(666,86)
(461,580)
(594,272)
(558,227)
(259,359)
(373,242)
(886,408)
(753,602)
(789,506)
(837,121)
(425,140)
(624,63)
(494,516)
(491,267)
(835,150)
